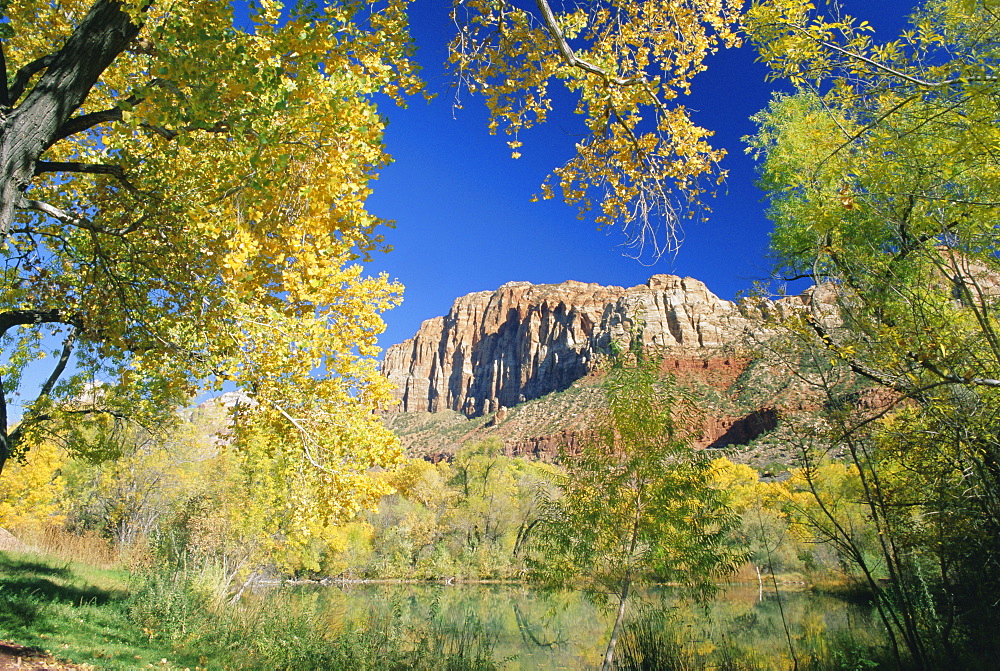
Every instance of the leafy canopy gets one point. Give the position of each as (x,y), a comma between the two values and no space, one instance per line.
(193,209)
(884,181)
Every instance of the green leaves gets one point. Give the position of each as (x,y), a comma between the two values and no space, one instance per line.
(883,181)
(638,502)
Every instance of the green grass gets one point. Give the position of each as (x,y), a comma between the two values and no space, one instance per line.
(73,611)
(171,620)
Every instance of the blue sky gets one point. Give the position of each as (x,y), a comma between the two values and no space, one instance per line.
(464,219)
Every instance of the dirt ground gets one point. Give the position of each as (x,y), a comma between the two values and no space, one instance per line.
(15,657)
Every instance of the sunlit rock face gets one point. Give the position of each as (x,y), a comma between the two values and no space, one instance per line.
(498,348)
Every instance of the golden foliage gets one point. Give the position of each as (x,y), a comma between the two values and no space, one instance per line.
(31,493)
(225,244)
(626,63)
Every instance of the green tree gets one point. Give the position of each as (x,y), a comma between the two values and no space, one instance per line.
(883,181)
(638,503)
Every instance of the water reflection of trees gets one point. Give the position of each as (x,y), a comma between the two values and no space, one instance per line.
(525,626)
(566,629)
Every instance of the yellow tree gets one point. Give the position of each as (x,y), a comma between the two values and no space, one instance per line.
(641,159)
(182,200)
(31,498)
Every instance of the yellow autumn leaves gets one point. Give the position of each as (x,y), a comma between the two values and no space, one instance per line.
(642,162)
(230,251)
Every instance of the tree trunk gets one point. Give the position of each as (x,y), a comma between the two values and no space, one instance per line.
(33,126)
(617,629)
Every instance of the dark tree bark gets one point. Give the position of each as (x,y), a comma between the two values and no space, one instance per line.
(34,125)
(12,318)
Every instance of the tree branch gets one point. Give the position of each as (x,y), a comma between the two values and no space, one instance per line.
(15,435)
(170,134)
(55,213)
(60,365)
(86,122)
(24,75)
(31,128)
(570,56)
(945,377)
(897,73)
(4,89)
(851,363)
(30,317)
(951,377)
(89,168)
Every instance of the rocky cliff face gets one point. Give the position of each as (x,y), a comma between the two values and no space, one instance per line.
(499,348)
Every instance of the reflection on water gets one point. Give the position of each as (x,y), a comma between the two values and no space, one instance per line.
(567,630)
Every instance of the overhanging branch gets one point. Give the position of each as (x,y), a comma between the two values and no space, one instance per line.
(855,366)
(570,56)
(85,122)
(11,318)
(60,365)
(88,168)
(55,213)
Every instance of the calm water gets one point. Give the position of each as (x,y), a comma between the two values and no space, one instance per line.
(567,630)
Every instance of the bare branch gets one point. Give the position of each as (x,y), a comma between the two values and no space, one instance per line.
(60,365)
(86,122)
(55,213)
(12,318)
(951,377)
(306,436)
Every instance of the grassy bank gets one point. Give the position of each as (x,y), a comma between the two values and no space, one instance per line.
(116,620)
(76,612)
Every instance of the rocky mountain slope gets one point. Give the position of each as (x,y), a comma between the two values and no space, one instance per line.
(499,348)
(522,362)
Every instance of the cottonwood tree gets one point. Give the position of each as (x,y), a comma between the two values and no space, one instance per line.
(182,200)
(883,178)
(641,159)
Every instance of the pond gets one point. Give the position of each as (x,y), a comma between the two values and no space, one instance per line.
(532,629)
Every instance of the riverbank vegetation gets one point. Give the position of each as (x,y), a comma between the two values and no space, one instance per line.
(115,619)
(177,510)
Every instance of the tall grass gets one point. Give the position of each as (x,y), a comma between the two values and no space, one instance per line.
(173,619)
(282,630)
(87,547)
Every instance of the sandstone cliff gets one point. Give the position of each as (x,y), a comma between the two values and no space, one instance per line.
(517,363)
(499,348)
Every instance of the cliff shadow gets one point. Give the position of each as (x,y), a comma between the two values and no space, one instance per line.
(747,428)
